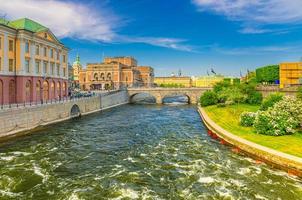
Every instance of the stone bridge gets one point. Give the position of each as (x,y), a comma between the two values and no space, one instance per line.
(159,94)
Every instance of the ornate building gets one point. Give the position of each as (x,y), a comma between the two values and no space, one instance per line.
(33,63)
(115,73)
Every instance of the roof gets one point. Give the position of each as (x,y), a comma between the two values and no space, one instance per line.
(26,24)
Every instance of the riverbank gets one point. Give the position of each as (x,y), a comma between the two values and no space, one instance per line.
(225,126)
(21,120)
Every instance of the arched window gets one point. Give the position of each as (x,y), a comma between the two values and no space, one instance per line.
(38,91)
(1,93)
(52,89)
(109,76)
(12,91)
(64,89)
(95,76)
(45,91)
(28,91)
(102,76)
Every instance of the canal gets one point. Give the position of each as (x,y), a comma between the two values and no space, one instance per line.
(135,152)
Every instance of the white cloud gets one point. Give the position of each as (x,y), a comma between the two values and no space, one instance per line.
(255,13)
(81,21)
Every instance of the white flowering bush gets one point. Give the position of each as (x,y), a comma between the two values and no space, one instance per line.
(283,118)
(247,118)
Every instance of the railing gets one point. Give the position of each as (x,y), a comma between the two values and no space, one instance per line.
(44,103)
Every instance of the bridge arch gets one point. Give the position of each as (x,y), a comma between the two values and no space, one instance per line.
(148,96)
(75,111)
(176,94)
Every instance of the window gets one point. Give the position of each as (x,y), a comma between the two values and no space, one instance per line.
(0,42)
(64,58)
(11,65)
(52,68)
(45,52)
(58,55)
(37,50)
(26,47)
(51,53)
(64,72)
(11,45)
(45,67)
(58,70)
(27,66)
(37,67)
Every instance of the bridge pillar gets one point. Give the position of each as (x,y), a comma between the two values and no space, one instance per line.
(193,99)
(158,100)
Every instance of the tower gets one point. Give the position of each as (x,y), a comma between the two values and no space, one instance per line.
(77,66)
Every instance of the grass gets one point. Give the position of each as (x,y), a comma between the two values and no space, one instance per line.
(228,119)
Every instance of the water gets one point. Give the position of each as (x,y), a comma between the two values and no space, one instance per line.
(135,152)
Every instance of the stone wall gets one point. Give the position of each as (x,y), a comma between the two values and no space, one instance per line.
(266,90)
(18,120)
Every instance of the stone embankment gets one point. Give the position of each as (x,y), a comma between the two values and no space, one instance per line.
(20,120)
(281,160)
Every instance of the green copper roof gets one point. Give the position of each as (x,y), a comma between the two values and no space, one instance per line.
(77,62)
(27,24)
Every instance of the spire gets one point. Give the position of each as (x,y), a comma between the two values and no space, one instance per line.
(78,58)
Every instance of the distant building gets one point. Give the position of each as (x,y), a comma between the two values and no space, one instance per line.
(290,74)
(115,73)
(76,67)
(184,81)
(33,63)
(207,81)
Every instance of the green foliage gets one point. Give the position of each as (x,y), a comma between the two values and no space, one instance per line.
(270,100)
(220,86)
(282,119)
(171,85)
(254,98)
(208,98)
(231,95)
(299,93)
(236,81)
(268,74)
(247,118)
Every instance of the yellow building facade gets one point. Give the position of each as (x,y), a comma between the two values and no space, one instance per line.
(184,81)
(290,74)
(206,81)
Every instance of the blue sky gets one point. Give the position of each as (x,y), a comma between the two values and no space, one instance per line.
(192,35)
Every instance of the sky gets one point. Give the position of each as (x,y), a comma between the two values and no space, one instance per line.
(230,36)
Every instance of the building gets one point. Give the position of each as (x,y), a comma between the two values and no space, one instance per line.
(76,67)
(290,74)
(115,73)
(182,81)
(207,81)
(33,63)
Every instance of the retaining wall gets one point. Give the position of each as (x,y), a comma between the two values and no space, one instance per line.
(282,160)
(18,120)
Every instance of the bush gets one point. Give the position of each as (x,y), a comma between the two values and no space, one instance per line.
(247,118)
(299,93)
(231,95)
(221,85)
(254,98)
(270,100)
(208,98)
(282,119)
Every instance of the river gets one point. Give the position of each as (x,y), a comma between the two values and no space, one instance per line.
(135,152)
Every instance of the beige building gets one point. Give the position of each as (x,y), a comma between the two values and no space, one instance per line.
(115,73)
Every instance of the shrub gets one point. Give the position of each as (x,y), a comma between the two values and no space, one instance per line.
(208,98)
(270,100)
(221,85)
(254,98)
(299,93)
(282,119)
(247,118)
(231,94)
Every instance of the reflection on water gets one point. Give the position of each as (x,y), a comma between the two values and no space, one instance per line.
(135,152)
(176,100)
